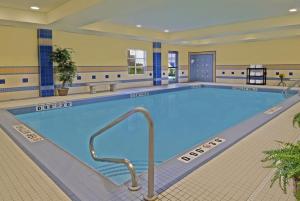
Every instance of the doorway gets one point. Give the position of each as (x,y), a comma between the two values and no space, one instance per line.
(173,66)
(202,67)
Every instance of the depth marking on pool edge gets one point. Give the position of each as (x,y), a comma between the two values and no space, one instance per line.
(245,88)
(51,106)
(200,150)
(139,94)
(29,134)
(196,86)
(273,110)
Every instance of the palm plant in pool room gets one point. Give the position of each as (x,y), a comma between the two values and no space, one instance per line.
(286,162)
(65,68)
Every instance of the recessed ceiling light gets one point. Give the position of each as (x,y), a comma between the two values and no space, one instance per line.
(138,26)
(249,38)
(166,30)
(292,10)
(34,8)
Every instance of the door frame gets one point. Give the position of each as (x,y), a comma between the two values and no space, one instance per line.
(213,53)
(177,67)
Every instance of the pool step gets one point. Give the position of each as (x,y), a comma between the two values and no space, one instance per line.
(114,170)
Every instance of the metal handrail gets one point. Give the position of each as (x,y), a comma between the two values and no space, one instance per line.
(134,184)
(285,91)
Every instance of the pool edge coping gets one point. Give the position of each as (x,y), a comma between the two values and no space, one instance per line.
(169,164)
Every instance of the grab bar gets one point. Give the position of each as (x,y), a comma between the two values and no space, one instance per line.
(134,184)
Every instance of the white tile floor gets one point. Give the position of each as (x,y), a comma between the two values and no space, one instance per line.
(21,179)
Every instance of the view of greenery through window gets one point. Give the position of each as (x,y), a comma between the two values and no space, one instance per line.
(136,61)
(172,66)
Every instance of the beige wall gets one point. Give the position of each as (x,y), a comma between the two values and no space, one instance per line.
(97,50)
(18,47)
(19,54)
(282,51)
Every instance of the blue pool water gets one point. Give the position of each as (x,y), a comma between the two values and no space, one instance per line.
(182,119)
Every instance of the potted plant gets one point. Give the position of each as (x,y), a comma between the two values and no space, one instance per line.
(286,161)
(281,77)
(65,68)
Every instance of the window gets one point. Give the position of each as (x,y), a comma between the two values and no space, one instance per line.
(172,66)
(172,59)
(136,61)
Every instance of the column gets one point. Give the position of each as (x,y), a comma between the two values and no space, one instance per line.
(45,63)
(156,63)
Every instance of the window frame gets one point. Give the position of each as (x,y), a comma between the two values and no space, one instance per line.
(173,56)
(135,67)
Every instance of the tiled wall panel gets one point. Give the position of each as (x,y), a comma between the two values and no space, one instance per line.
(157,68)
(237,73)
(45,63)
(13,87)
(12,81)
(123,79)
(183,73)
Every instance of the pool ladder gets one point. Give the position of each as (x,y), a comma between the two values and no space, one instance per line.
(134,183)
(286,91)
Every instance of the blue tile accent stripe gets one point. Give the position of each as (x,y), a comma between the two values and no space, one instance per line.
(32,88)
(156,63)
(244,78)
(14,89)
(45,63)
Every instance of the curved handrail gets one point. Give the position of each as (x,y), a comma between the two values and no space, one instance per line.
(285,91)
(134,184)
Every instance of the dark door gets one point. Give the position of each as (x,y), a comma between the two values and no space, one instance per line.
(202,67)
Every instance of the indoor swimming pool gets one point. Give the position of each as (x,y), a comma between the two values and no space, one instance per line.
(182,119)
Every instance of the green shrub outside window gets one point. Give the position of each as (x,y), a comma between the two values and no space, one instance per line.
(136,61)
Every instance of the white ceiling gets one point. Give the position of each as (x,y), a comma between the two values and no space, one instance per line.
(188,20)
(181,15)
(45,5)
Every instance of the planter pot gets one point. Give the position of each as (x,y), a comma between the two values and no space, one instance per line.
(296,182)
(63,91)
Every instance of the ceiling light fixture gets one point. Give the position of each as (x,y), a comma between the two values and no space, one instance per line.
(292,10)
(249,38)
(166,31)
(138,26)
(34,8)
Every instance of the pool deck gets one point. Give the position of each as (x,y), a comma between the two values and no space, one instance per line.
(236,174)
(21,179)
